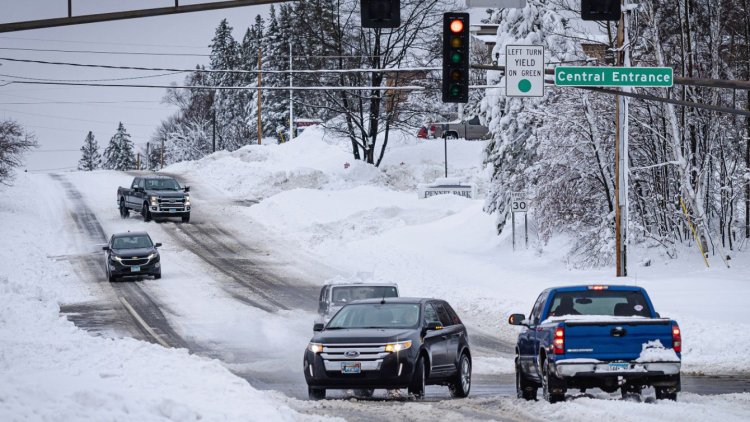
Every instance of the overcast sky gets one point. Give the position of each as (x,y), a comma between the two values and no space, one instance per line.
(61,128)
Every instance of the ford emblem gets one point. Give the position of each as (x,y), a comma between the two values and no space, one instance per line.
(351,354)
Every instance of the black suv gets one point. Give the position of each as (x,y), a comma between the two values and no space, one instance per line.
(389,343)
(132,254)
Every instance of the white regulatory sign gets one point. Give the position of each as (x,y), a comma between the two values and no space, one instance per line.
(519,203)
(524,71)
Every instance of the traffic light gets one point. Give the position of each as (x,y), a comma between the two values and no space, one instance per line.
(455,57)
(600,10)
(380,13)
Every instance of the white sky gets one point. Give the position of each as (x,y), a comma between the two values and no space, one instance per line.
(61,128)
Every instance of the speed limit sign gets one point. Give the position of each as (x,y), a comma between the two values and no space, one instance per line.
(518,202)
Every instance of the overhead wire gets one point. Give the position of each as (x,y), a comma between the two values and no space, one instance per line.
(92,80)
(127,53)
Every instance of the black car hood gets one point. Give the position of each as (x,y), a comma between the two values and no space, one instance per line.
(133,252)
(364,335)
(166,193)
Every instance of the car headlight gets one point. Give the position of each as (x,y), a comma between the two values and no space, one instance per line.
(315,347)
(154,200)
(187,200)
(398,347)
(152,256)
(117,258)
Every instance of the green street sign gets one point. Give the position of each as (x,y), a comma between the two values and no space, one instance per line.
(613,76)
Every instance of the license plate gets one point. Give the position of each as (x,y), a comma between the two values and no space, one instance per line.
(619,366)
(135,269)
(172,210)
(351,368)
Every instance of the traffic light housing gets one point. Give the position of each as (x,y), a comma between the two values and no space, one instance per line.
(455,57)
(600,10)
(380,13)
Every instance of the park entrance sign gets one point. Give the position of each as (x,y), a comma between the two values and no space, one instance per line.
(613,76)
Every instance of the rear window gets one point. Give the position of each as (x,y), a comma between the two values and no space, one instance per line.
(346,294)
(600,302)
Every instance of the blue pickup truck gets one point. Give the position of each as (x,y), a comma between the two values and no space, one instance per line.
(607,337)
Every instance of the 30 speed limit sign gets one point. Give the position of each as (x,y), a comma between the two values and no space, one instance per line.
(519,203)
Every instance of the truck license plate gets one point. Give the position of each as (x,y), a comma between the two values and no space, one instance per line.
(135,269)
(351,368)
(172,210)
(619,366)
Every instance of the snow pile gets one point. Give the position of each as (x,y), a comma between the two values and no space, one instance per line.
(51,370)
(654,351)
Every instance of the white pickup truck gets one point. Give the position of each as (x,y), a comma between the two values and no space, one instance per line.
(466,129)
(333,296)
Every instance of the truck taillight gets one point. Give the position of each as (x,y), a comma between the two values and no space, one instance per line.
(676,338)
(559,341)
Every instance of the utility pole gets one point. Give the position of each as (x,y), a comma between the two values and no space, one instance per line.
(162,154)
(260,127)
(621,152)
(138,161)
(291,97)
(213,119)
(148,156)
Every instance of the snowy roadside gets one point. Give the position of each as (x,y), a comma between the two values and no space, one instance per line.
(446,246)
(53,370)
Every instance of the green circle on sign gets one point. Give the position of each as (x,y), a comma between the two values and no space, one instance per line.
(524,85)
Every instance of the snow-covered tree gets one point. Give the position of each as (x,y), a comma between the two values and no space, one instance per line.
(91,159)
(14,142)
(119,154)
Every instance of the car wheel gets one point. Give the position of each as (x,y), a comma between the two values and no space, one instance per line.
(462,384)
(525,389)
(124,212)
(417,385)
(451,136)
(552,386)
(157,276)
(665,393)
(631,392)
(112,278)
(186,218)
(146,214)
(364,393)
(316,393)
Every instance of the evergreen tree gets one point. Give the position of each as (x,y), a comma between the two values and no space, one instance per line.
(119,154)
(275,112)
(225,55)
(91,159)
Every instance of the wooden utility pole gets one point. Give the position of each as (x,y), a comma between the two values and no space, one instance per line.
(162,153)
(621,155)
(260,127)
(213,138)
(148,156)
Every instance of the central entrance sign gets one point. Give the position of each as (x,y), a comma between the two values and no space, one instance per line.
(613,76)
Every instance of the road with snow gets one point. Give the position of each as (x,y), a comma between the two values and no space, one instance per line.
(221,291)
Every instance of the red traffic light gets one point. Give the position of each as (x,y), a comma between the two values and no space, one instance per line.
(457,25)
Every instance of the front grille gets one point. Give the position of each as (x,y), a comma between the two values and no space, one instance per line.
(134,261)
(171,201)
(370,356)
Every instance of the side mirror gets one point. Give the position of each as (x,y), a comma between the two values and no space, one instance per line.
(187,189)
(157,245)
(106,248)
(657,315)
(318,326)
(516,319)
(432,326)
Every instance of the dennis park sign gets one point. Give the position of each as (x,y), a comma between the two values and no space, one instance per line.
(613,76)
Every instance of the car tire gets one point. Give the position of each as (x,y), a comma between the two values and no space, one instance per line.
(146,213)
(112,278)
(665,393)
(451,136)
(124,211)
(417,385)
(186,218)
(157,276)
(525,389)
(552,385)
(461,385)
(316,393)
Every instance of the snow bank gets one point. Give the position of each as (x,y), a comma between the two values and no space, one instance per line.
(51,370)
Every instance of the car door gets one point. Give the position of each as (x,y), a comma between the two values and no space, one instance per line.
(132,197)
(527,341)
(433,340)
(451,334)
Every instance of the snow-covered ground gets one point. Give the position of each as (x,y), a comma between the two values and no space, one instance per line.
(358,221)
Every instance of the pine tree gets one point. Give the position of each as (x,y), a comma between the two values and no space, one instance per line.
(119,155)
(91,159)
(275,112)
(225,55)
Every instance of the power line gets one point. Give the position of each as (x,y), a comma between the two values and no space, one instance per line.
(248,87)
(252,72)
(132,53)
(80,102)
(92,80)
(99,42)
(69,118)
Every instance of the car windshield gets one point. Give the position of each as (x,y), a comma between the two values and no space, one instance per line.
(376,315)
(345,294)
(162,184)
(131,242)
(600,302)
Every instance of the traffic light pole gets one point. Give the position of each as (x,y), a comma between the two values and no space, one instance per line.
(291,97)
(621,153)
